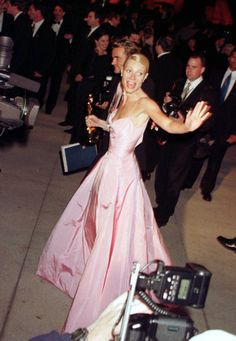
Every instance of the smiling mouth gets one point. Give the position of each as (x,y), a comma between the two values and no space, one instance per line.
(130,85)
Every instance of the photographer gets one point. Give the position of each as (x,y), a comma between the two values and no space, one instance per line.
(176,156)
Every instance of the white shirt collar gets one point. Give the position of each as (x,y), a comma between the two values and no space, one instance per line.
(92,30)
(37,26)
(163,53)
(232,81)
(17,15)
(1,21)
(194,83)
(227,72)
(56,26)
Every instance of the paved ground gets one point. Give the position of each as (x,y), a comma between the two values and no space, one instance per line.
(33,194)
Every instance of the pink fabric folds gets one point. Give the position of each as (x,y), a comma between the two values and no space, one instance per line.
(107,225)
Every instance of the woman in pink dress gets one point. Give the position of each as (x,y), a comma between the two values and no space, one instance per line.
(109,222)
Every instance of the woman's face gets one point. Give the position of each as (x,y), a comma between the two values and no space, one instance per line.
(133,76)
(102,43)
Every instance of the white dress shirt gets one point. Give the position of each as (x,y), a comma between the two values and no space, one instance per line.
(36,26)
(56,26)
(193,85)
(232,81)
(92,30)
(17,15)
(1,21)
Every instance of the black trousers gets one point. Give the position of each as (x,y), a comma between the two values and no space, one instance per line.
(172,170)
(77,107)
(213,166)
(55,79)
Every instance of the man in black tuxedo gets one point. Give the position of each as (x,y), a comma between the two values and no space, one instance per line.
(166,67)
(21,37)
(82,52)
(6,20)
(42,46)
(62,25)
(112,25)
(177,153)
(225,123)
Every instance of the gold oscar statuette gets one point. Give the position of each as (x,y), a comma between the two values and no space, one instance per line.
(92,136)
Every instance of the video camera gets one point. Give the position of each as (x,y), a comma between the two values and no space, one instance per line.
(170,285)
(17,110)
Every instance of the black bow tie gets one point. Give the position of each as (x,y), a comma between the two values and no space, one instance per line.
(56,22)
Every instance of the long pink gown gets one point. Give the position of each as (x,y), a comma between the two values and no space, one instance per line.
(107,225)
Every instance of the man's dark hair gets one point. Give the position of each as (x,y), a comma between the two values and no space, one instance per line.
(39,5)
(61,4)
(98,12)
(167,42)
(129,46)
(112,14)
(234,50)
(20,4)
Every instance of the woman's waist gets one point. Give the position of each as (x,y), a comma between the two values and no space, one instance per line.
(121,158)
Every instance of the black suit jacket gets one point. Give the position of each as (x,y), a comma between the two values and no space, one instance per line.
(63,45)
(21,37)
(225,119)
(203,92)
(42,50)
(82,53)
(7,25)
(165,70)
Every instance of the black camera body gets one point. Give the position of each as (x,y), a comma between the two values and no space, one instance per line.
(161,328)
(104,94)
(171,285)
(177,285)
(171,108)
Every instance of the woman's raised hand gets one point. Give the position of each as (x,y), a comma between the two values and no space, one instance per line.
(196,117)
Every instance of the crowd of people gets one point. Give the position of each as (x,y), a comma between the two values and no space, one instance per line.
(79,39)
(164,90)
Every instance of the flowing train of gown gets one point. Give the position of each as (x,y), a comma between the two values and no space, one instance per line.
(107,225)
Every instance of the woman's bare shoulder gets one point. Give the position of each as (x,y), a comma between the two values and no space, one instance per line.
(148,103)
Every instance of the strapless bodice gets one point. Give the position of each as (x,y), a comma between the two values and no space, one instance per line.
(124,135)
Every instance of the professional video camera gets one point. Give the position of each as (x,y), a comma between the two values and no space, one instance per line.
(169,285)
(16,111)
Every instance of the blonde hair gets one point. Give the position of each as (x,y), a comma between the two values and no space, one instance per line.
(140,58)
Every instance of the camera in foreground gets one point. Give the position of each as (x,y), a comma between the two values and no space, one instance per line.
(17,111)
(167,285)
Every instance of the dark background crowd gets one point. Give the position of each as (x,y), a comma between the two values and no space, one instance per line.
(194,41)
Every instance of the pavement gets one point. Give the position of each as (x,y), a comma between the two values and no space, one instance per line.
(34,193)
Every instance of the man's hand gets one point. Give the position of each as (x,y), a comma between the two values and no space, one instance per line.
(78,77)
(231,139)
(103,105)
(37,75)
(167,97)
(68,36)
